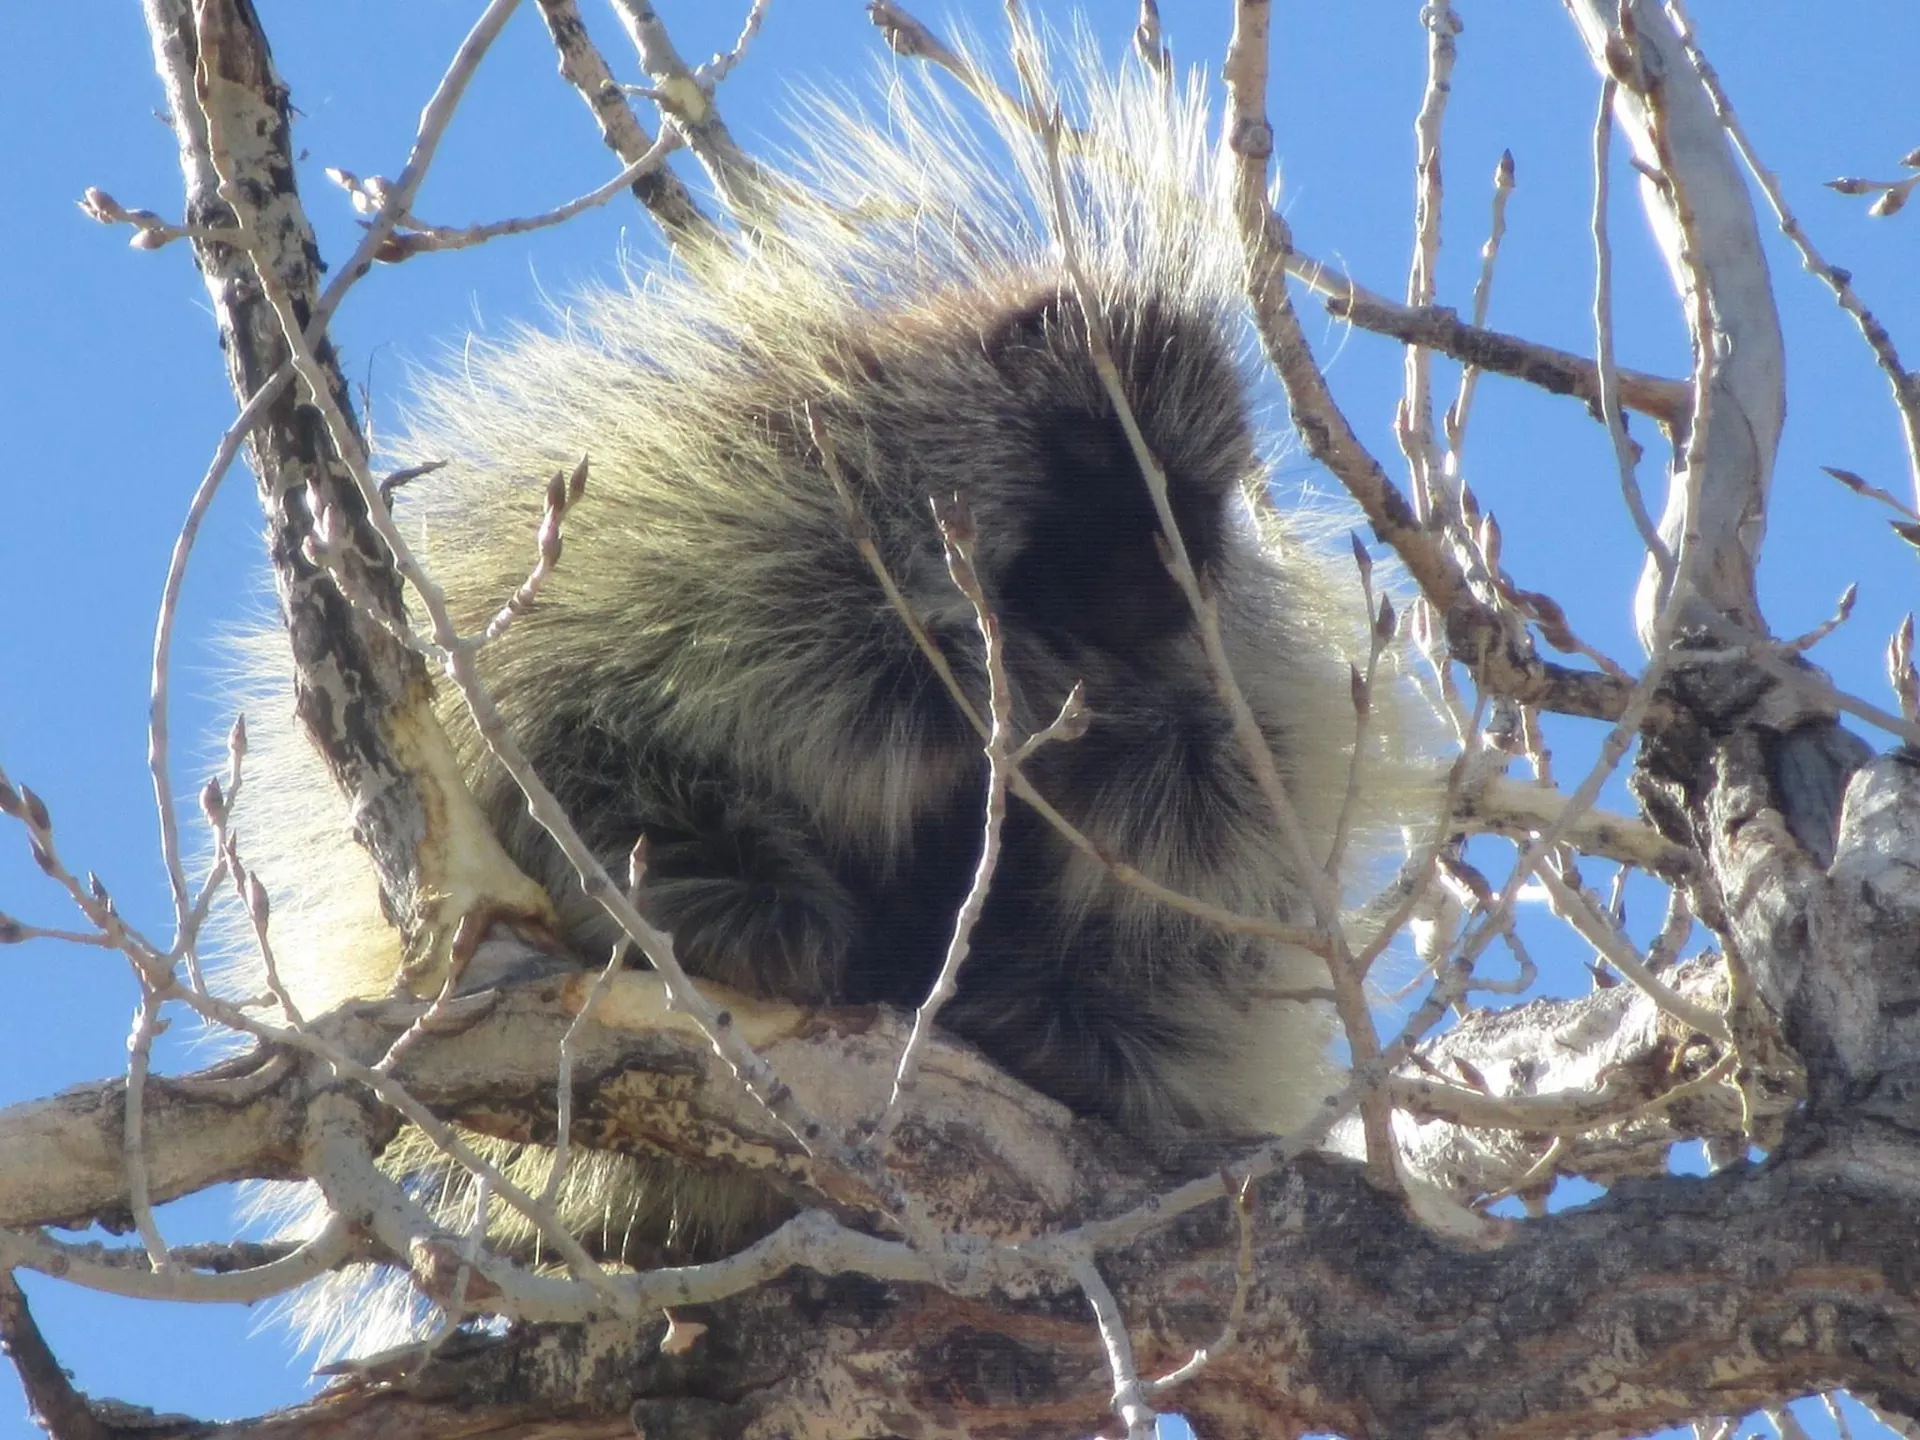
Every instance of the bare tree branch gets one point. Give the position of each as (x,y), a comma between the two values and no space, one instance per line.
(583,67)
(364,698)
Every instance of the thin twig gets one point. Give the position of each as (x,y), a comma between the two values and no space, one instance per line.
(715,70)
(90,899)
(419,238)
(1471,890)
(1573,906)
(1842,612)
(1858,484)
(1455,420)
(910,38)
(15,932)
(1890,196)
(1765,652)
(564,490)
(1242,1203)
(1532,1183)
(146,1025)
(150,232)
(1414,887)
(1362,685)
(563,1086)
(958,536)
(158,763)
(1610,416)
(397,197)
(1558,372)
(1416,415)
(1129,1394)
(253,896)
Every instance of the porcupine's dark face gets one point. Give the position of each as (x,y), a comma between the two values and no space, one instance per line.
(1090,573)
(1002,403)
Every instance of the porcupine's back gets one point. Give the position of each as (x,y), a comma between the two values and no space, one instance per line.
(714,664)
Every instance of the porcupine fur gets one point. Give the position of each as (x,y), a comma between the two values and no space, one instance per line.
(714,665)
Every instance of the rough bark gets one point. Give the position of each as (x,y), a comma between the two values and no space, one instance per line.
(1759,1282)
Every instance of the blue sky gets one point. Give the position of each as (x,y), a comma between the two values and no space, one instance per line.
(117,394)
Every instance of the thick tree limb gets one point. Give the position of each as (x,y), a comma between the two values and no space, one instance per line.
(362,694)
(61,1160)
(647,1080)
(1616,1318)
(1357,1320)
(1615,1053)
(1828,953)
(51,1397)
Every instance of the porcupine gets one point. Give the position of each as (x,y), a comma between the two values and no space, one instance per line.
(715,666)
